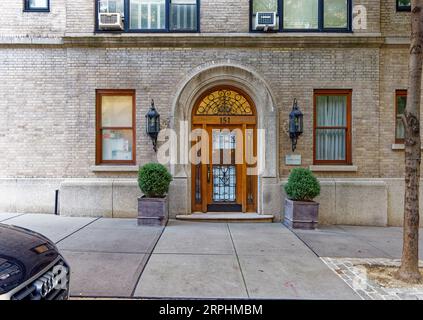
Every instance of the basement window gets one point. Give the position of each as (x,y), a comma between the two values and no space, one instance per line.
(37,5)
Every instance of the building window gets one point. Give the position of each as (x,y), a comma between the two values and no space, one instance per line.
(115,127)
(111,6)
(335,14)
(183,15)
(305,15)
(37,5)
(301,14)
(400,104)
(332,127)
(154,15)
(403,5)
(147,14)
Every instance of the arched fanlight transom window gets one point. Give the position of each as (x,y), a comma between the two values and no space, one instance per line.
(225,102)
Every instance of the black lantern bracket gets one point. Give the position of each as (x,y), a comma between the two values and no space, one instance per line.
(153,124)
(295,124)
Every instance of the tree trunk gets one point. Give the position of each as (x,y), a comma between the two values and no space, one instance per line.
(409,270)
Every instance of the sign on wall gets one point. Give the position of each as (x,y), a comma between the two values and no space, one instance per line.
(293,159)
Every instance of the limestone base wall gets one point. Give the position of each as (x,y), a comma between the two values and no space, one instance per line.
(28,195)
(365,202)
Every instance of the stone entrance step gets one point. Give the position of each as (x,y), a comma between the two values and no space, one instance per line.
(227,217)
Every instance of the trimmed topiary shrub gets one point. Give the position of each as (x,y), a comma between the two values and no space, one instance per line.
(154,180)
(302,185)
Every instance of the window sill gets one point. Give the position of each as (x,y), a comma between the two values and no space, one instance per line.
(399,146)
(37,10)
(334,168)
(114,169)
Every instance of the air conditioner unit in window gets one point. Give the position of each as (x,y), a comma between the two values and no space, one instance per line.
(265,21)
(110,21)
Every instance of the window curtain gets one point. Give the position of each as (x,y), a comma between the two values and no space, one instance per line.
(400,131)
(147,14)
(331,142)
(183,14)
(401,104)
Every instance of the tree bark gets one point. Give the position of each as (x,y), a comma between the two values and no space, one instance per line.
(409,270)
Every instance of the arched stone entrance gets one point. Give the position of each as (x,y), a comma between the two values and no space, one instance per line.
(196,84)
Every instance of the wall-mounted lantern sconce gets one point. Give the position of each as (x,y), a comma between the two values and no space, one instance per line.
(295,124)
(153,124)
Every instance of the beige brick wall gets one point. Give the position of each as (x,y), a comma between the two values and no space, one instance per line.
(372,8)
(394,23)
(50,103)
(32,109)
(394,76)
(15,22)
(80,16)
(225,15)
(355,69)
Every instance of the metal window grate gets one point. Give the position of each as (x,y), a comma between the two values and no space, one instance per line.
(266,18)
(109,19)
(198,184)
(224,183)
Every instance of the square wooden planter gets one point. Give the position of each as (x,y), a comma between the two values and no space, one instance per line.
(153,211)
(301,214)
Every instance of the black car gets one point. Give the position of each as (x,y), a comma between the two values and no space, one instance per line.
(31,268)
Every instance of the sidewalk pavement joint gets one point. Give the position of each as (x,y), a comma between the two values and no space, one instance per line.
(83,227)
(239,263)
(144,263)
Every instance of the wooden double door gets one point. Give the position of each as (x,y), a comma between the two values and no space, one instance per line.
(224,160)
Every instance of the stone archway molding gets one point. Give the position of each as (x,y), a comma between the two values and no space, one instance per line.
(198,81)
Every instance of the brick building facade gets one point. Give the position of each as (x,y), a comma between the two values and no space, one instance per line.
(52,64)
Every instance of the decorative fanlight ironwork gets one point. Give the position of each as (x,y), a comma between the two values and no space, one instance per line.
(225,103)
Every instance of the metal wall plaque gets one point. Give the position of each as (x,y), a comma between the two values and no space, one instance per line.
(293,159)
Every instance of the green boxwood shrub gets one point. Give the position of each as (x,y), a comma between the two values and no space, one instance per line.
(154,180)
(302,185)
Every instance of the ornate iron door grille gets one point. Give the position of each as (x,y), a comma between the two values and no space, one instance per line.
(224,184)
(224,169)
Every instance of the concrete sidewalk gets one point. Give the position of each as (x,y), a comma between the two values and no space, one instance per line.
(356,242)
(107,256)
(114,258)
(203,260)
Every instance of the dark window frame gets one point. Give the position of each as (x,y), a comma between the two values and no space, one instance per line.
(27,8)
(99,128)
(403,8)
(348,128)
(399,93)
(320,28)
(127,28)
